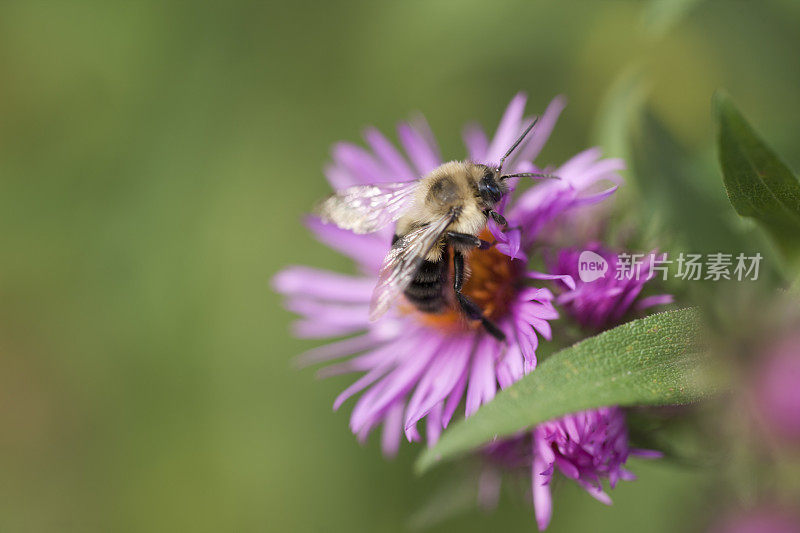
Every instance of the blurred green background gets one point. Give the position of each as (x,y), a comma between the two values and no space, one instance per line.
(155,162)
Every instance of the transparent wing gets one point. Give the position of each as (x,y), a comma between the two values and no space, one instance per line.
(367,208)
(402,262)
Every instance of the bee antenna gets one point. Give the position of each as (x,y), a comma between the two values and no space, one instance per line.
(514,146)
(530,175)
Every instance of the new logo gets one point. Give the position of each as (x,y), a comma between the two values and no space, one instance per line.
(591,266)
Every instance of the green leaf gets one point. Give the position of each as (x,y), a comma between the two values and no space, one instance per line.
(759,184)
(651,361)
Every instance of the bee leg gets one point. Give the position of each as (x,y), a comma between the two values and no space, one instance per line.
(468,306)
(497,217)
(466,242)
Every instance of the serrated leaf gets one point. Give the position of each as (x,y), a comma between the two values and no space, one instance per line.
(759,184)
(651,361)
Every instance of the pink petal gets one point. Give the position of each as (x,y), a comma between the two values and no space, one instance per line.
(508,130)
(596,493)
(391,158)
(336,350)
(323,285)
(392,431)
(541,132)
(339,177)
(565,279)
(433,424)
(422,155)
(417,355)
(482,381)
(457,393)
(359,163)
(367,250)
(651,301)
(439,380)
(542,499)
(360,384)
(312,329)
(476,142)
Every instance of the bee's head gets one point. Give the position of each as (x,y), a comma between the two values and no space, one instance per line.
(490,188)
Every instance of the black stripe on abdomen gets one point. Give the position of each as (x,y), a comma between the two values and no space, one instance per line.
(426,292)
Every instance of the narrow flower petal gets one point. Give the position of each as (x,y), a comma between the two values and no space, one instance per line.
(392,431)
(416,357)
(433,424)
(566,279)
(452,402)
(508,130)
(596,493)
(339,177)
(567,468)
(366,250)
(391,158)
(511,247)
(510,368)
(476,142)
(542,500)
(313,329)
(323,285)
(438,382)
(358,163)
(652,301)
(360,384)
(528,342)
(422,155)
(541,133)
(338,349)
(482,380)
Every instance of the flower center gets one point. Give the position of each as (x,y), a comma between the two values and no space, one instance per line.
(492,284)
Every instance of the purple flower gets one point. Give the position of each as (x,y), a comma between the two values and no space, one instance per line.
(588,447)
(592,445)
(777,388)
(603,302)
(417,366)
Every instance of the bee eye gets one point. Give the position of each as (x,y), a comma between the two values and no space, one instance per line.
(489,190)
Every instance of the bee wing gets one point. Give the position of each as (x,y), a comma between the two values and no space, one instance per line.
(367,208)
(402,262)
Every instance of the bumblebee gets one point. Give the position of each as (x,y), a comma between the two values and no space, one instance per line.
(442,211)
